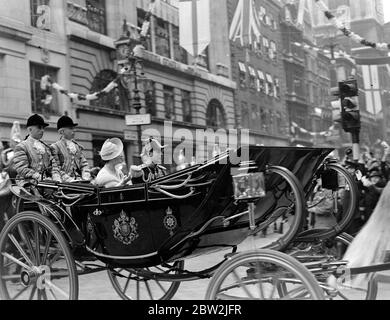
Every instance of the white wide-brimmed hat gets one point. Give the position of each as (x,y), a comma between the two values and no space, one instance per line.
(111,149)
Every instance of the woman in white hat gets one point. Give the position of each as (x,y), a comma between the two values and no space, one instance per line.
(111,175)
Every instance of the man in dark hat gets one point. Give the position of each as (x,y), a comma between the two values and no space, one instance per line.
(33,159)
(69,154)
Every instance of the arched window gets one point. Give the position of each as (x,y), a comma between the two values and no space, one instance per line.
(116,99)
(215,115)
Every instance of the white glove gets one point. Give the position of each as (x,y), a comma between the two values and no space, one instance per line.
(366,182)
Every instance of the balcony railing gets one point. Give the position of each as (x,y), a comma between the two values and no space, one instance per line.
(90,16)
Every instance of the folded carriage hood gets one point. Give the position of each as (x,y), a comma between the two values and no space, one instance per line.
(303,162)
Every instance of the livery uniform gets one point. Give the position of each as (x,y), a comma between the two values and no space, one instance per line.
(33,160)
(69,155)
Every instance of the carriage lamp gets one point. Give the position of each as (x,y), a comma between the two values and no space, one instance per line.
(249,187)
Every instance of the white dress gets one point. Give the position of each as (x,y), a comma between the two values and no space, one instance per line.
(106,179)
(370,245)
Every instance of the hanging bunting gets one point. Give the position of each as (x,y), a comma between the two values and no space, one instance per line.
(47,85)
(148,16)
(295,127)
(324,51)
(347,32)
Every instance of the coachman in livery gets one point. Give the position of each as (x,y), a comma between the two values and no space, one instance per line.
(33,159)
(69,154)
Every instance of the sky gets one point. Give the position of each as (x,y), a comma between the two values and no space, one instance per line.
(386,10)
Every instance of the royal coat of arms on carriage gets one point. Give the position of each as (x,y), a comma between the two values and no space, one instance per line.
(170,221)
(125,229)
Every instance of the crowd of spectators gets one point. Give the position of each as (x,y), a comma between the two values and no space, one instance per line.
(372,172)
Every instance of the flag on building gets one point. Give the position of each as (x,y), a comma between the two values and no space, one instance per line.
(194,18)
(245,23)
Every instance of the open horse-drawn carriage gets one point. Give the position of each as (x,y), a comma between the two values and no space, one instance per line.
(142,234)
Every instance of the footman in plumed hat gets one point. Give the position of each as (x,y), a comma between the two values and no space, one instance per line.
(33,159)
(69,154)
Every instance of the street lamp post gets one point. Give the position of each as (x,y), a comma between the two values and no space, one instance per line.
(129,51)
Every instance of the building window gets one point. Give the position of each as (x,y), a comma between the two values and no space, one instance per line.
(252,78)
(279,123)
(140,21)
(264,120)
(298,87)
(272,123)
(162,38)
(245,119)
(186,103)
(270,18)
(37,11)
(270,84)
(169,102)
(254,117)
(117,99)
(263,14)
(256,46)
(262,82)
(273,52)
(96,15)
(150,97)
(277,88)
(242,74)
(266,46)
(37,71)
(215,115)
(179,52)
(274,25)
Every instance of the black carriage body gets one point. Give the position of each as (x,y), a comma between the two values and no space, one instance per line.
(141,226)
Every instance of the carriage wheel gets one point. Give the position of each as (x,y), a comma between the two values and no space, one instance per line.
(263,275)
(35,260)
(290,213)
(143,284)
(344,208)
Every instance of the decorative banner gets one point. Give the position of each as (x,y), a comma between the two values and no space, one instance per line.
(245,23)
(194,16)
(47,85)
(148,16)
(295,126)
(347,32)
(338,54)
(305,7)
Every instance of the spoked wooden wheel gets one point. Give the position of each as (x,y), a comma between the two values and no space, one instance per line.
(145,284)
(333,207)
(35,261)
(263,275)
(287,218)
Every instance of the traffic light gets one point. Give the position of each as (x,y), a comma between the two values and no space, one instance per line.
(350,113)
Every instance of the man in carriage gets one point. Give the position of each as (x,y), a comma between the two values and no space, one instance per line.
(151,168)
(69,154)
(33,159)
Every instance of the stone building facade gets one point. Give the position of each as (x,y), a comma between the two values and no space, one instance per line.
(365,18)
(76,45)
(258,70)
